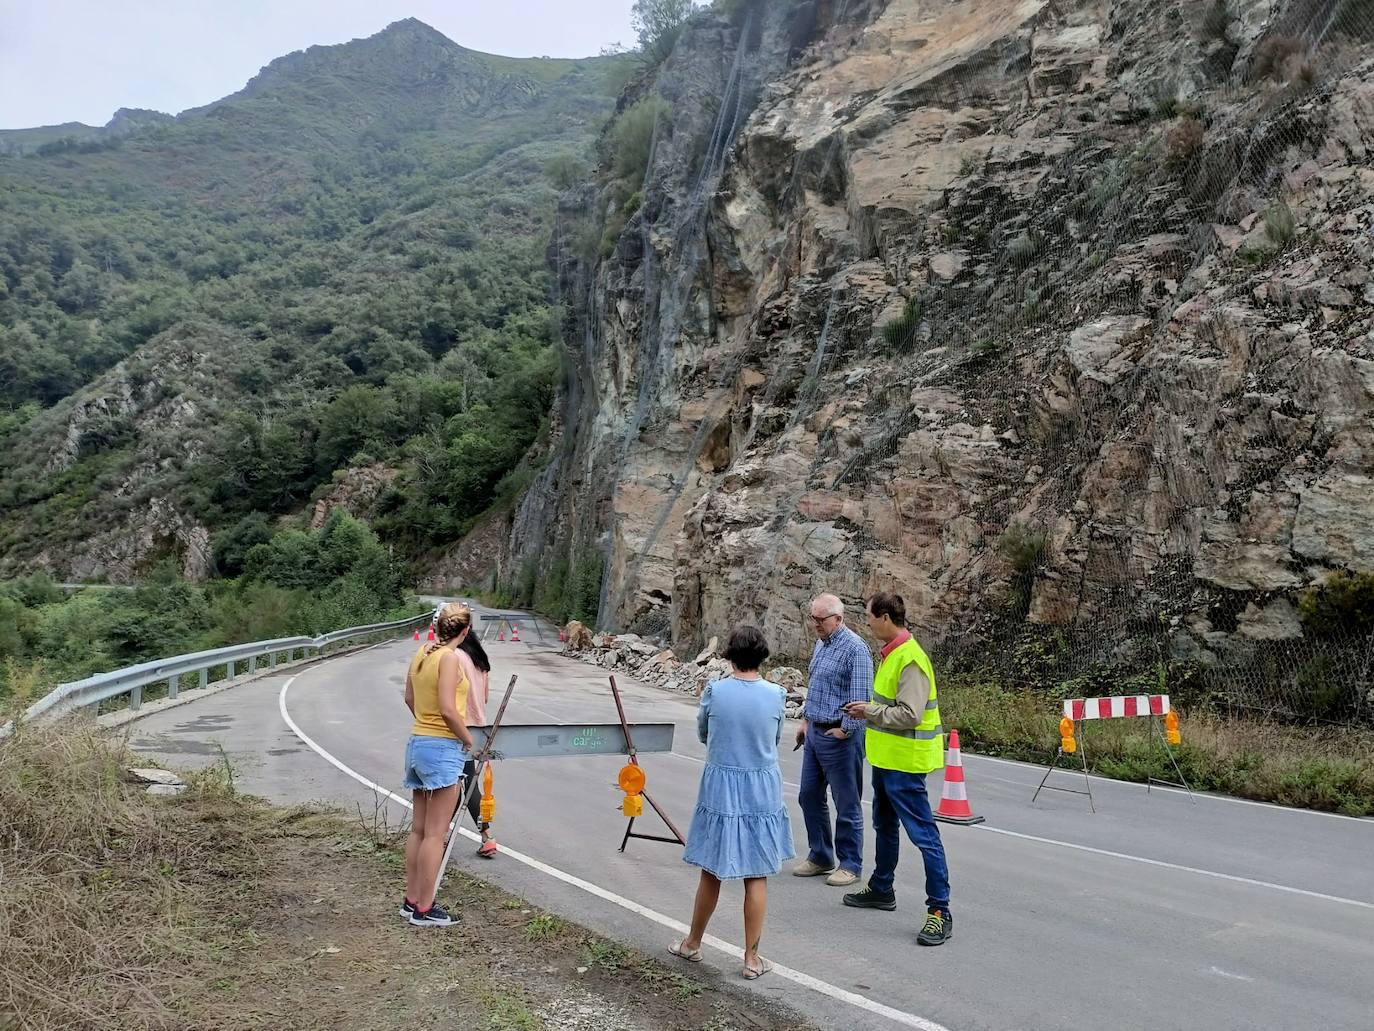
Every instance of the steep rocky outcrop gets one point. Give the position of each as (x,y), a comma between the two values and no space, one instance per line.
(1044,311)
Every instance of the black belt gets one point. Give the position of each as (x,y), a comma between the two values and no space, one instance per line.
(825,726)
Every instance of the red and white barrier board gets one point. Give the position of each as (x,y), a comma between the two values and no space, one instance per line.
(1119,705)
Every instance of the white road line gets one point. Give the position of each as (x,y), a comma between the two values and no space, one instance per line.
(1130,858)
(1207,796)
(796,976)
(1175,866)
(1235,878)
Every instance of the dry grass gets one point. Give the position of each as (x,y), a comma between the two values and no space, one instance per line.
(1328,768)
(212,910)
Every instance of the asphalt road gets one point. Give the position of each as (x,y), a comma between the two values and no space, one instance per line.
(1154,912)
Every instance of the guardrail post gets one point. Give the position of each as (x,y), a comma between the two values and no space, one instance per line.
(205,678)
(230,668)
(135,697)
(271,660)
(252,664)
(173,686)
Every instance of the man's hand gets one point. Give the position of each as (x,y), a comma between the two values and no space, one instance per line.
(856,710)
(837,733)
(801,735)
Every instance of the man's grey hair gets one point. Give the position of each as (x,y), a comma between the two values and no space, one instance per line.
(830,603)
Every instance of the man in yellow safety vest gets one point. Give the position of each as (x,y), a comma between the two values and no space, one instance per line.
(904,741)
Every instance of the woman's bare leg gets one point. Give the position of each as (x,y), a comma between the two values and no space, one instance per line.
(438,811)
(755,907)
(708,894)
(420,802)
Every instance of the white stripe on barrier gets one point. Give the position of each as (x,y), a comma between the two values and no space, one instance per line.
(1091,708)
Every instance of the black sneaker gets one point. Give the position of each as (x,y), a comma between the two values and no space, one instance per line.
(407,907)
(870,899)
(939,928)
(435,916)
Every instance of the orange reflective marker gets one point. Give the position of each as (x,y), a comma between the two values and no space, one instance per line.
(1066,741)
(487,808)
(1171,731)
(631,782)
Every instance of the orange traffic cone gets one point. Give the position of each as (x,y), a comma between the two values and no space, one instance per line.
(431,633)
(561,635)
(501,633)
(954,807)
(417,633)
(515,632)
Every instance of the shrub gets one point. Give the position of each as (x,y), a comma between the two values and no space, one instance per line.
(1281,58)
(658,23)
(1023,248)
(1279,224)
(1183,142)
(565,171)
(901,331)
(1215,23)
(1342,607)
(1022,547)
(632,140)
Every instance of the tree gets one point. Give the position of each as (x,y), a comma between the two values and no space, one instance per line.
(658,23)
(565,171)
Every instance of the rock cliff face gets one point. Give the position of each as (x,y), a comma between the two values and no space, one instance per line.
(1054,311)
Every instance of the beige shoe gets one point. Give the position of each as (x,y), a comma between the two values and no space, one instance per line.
(842,878)
(806,868)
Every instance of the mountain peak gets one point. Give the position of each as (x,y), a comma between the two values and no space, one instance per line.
(415,28)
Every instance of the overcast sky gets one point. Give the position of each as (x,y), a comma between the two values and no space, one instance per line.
(79,60)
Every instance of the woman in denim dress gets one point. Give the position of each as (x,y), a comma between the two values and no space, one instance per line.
(740,829)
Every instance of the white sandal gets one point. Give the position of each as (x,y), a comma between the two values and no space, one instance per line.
(690,955)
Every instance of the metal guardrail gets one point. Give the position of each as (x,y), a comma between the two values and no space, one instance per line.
(131,680)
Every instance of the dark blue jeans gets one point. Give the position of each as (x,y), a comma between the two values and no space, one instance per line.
(838,765)
(899,800)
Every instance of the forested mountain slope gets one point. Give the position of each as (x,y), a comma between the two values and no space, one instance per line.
(330,284)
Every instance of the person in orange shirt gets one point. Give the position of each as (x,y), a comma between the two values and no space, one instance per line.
(439,746)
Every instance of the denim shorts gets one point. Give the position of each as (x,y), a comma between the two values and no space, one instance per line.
(433,762)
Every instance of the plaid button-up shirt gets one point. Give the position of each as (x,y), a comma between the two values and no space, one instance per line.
(841,672)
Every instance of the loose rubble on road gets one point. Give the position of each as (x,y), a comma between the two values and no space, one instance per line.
(654,664)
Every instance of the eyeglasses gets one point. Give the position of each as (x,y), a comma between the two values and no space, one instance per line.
(820,620)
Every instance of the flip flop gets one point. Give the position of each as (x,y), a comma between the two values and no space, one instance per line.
(690,955)
(754,973)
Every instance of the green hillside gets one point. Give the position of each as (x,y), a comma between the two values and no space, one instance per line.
(340,266)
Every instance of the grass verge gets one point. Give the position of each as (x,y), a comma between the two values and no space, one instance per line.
(1327,768)
(119,910)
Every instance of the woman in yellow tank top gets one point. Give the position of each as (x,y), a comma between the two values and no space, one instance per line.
(440,743)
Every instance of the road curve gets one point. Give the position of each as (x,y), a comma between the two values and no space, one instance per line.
(1155,912)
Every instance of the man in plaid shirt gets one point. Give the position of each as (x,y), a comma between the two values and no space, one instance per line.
(841,672)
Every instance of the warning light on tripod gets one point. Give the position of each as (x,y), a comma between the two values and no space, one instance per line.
(1171,731)
(487,808)
(631,781)
(1066,742)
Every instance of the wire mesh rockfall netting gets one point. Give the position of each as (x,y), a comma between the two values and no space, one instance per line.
(1120,376)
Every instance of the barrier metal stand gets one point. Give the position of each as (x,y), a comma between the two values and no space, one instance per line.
(677,838)
(543,740)
(483,755)
(1157,730)
(1054,764)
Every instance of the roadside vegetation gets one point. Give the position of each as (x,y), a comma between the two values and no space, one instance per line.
(292,583)
(1318,767)
(212,910)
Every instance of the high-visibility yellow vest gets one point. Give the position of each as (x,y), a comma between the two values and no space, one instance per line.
(921,750)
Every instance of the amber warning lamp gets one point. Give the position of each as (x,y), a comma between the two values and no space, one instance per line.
(631,782)
(1066,741)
